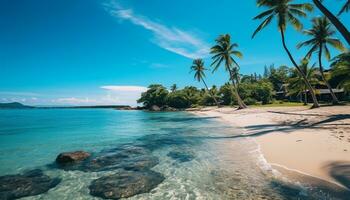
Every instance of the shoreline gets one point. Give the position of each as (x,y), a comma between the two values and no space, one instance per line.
(312,142)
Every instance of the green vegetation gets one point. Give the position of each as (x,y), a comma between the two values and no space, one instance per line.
(286,13)
(279,86)
(321,35)
(289,89)
(222,53)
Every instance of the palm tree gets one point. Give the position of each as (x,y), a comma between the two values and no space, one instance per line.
(223,52)
(173,88)
(198,69)
(296,84)
(321,35)
(341,70)
(335,21)
(285,12)
(345,8)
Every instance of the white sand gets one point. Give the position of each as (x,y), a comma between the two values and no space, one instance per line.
(310,141)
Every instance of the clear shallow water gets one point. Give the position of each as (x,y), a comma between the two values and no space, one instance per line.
(222,167)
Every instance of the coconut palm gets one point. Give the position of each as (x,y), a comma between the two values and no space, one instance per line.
(335,21)
(321,36)
(296,83)
(173,88)
(341,70)
(223,52)
(198,69)
(286,13)
(345,8)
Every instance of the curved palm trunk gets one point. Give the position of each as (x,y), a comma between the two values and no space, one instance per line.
(305,96)
(314,99)
(335,21)
(212,94)
(335,99)
(241,104)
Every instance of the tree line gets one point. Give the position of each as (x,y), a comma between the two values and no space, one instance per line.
(297,81)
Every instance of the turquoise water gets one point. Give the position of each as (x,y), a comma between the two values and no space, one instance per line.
(222,167)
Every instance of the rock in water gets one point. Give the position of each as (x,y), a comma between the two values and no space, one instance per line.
(69,157)
(125,184)
(154,108)
(181,156)
(28,184)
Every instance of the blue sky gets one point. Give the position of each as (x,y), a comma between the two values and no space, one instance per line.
(83,52)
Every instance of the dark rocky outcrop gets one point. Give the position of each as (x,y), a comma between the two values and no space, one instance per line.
(129,157)
(155,108)
(27,184)
(125,184)
(69,157)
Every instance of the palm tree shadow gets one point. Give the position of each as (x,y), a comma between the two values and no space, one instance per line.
(290,113)
(263,129)
(340,171)
(333,118)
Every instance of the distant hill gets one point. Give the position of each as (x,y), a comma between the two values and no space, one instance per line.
(14,105)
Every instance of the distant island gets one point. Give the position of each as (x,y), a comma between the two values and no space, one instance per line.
(14,105)
(17,105)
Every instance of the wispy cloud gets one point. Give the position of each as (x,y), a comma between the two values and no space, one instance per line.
(170,38)
(158,66)
(18,93)
(118,88)
(74,100)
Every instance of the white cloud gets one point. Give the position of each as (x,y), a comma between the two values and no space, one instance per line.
(170,38)
(74,100)
(118,88)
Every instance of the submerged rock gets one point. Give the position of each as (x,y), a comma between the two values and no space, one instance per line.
(125,184)
(181,156)
(129,157)
(157,141)
(31,183)
(69,157)
(119,161)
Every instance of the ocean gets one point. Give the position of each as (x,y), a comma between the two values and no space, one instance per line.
(198,157)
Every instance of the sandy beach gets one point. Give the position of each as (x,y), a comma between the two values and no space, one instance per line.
(315,142)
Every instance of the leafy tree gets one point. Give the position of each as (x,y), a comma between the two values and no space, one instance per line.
(277,76)
(177,99)
(297,85)
(198,69)
(286,13)
(263,92)
(155,95)
(226,94)
(192,94)
(335,21)
(223,52)
(321,36)
(341,70)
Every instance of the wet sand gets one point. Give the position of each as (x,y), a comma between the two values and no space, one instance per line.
(315,142)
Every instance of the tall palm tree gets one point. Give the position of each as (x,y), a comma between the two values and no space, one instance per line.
(223,52)
(341,70)
(335,21)
(285,12)
(173,88)
(296,84)
(321,36)
(345,8)
(198,69)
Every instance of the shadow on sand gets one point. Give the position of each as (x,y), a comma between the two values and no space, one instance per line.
(340,171)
